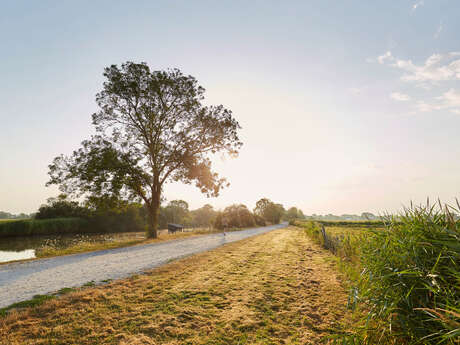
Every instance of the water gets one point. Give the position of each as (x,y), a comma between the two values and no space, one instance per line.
(20,248)
(6,256)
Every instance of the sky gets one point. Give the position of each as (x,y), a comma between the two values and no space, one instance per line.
(345,106)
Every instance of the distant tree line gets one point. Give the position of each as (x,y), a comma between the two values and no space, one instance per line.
(7,215)
(363,216)
(111,215)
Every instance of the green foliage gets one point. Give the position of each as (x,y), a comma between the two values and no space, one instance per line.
(202,217)
(44,227)
(34,302)
(268,210)
(293,213)
(175,212)
(151,128)
(260,221)
(411,277)
(354,224)
(61,207)
(312,229)
(130,217)
(234,216)
(126,218)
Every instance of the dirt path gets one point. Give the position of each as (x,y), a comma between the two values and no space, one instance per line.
(275,288)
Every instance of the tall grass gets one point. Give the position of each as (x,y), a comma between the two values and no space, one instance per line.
(125,220)
(43,227)
(411,276)
(409,283)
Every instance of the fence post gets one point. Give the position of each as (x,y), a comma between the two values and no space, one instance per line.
(325,239)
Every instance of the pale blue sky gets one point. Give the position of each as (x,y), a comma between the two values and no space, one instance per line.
(346,106)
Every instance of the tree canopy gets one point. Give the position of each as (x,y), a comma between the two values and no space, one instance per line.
(268,210)
(152,128)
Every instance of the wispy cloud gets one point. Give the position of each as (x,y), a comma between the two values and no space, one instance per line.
(400,96)
(357,90)
(437,67)
(429,75)
(385,57)
(449,100)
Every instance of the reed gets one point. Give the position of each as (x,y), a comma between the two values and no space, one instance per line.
(29,227)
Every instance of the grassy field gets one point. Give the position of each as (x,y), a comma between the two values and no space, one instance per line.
(350,230)
(276,288)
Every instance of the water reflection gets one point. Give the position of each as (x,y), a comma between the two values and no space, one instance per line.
(21,255)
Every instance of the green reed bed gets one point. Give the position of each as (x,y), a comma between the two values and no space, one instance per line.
(409,283)
(29,227)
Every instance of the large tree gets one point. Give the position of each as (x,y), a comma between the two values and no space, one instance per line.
(152,128)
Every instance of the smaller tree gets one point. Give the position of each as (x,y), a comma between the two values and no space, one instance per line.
(175,212)
(234,216)
(294,213)
(368,216)
(203,216)
(270,211)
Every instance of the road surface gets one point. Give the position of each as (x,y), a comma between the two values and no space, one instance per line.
(22,280)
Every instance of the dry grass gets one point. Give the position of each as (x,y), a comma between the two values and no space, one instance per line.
(270,289)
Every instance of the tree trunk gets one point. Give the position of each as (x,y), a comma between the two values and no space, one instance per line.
(153,210)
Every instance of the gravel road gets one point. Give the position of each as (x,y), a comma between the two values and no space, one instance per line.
(22,280)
